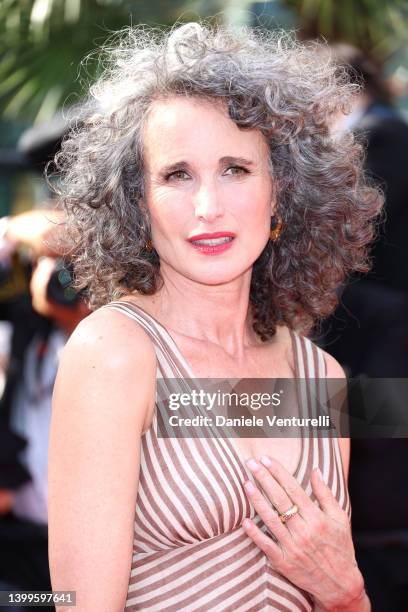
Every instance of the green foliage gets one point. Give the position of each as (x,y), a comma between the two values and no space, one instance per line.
(377,26)
(42,43)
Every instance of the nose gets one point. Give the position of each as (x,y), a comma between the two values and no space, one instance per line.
(207,203)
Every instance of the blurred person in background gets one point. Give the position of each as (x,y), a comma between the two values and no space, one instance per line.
(42,321)
(368,335)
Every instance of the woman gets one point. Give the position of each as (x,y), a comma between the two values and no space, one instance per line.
(212,219)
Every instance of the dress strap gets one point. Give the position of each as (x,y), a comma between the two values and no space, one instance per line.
(325,449)
(170,361)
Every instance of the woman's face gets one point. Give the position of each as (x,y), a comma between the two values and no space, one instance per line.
(204,175)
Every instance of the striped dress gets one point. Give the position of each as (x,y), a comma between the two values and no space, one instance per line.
(189,550)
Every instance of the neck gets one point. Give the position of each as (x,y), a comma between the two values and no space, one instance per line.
(219,314)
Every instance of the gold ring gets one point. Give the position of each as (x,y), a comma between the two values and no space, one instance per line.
(285,516)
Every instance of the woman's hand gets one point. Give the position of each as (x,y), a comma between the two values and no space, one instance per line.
(314,548)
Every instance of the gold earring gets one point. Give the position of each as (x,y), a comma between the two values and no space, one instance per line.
(275,231)
(149,246)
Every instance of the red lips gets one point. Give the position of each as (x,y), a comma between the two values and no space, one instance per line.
(214,235)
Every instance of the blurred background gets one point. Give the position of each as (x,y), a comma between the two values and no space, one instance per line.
(48,59)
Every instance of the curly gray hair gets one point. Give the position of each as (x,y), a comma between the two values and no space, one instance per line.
(269,81)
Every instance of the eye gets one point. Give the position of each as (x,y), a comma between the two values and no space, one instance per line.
(178,175)
(238,170)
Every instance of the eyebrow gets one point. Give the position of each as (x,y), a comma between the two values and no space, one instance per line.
(228,160)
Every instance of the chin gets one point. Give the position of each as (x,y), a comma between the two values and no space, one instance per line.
(217,277)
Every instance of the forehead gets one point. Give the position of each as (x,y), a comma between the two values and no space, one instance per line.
(177,127)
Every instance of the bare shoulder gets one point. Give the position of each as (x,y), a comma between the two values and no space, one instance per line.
(284,338)
(109,328)
(108,345)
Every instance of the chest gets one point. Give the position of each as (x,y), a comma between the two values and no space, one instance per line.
(269,361)
(273,359)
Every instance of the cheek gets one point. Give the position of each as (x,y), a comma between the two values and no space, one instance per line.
(167,212)
(253,205)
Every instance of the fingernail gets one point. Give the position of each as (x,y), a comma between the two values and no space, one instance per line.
(266,461)
(250,487)
(319,474)
(246,523)
(253,465)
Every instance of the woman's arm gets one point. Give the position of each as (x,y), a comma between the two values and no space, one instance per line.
(103,395)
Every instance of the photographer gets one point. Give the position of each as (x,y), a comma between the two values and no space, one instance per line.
(36,298)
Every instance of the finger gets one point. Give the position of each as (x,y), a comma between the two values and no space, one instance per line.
(294,490)
(273,490)
(272,550)
(324,495)
(269,516)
